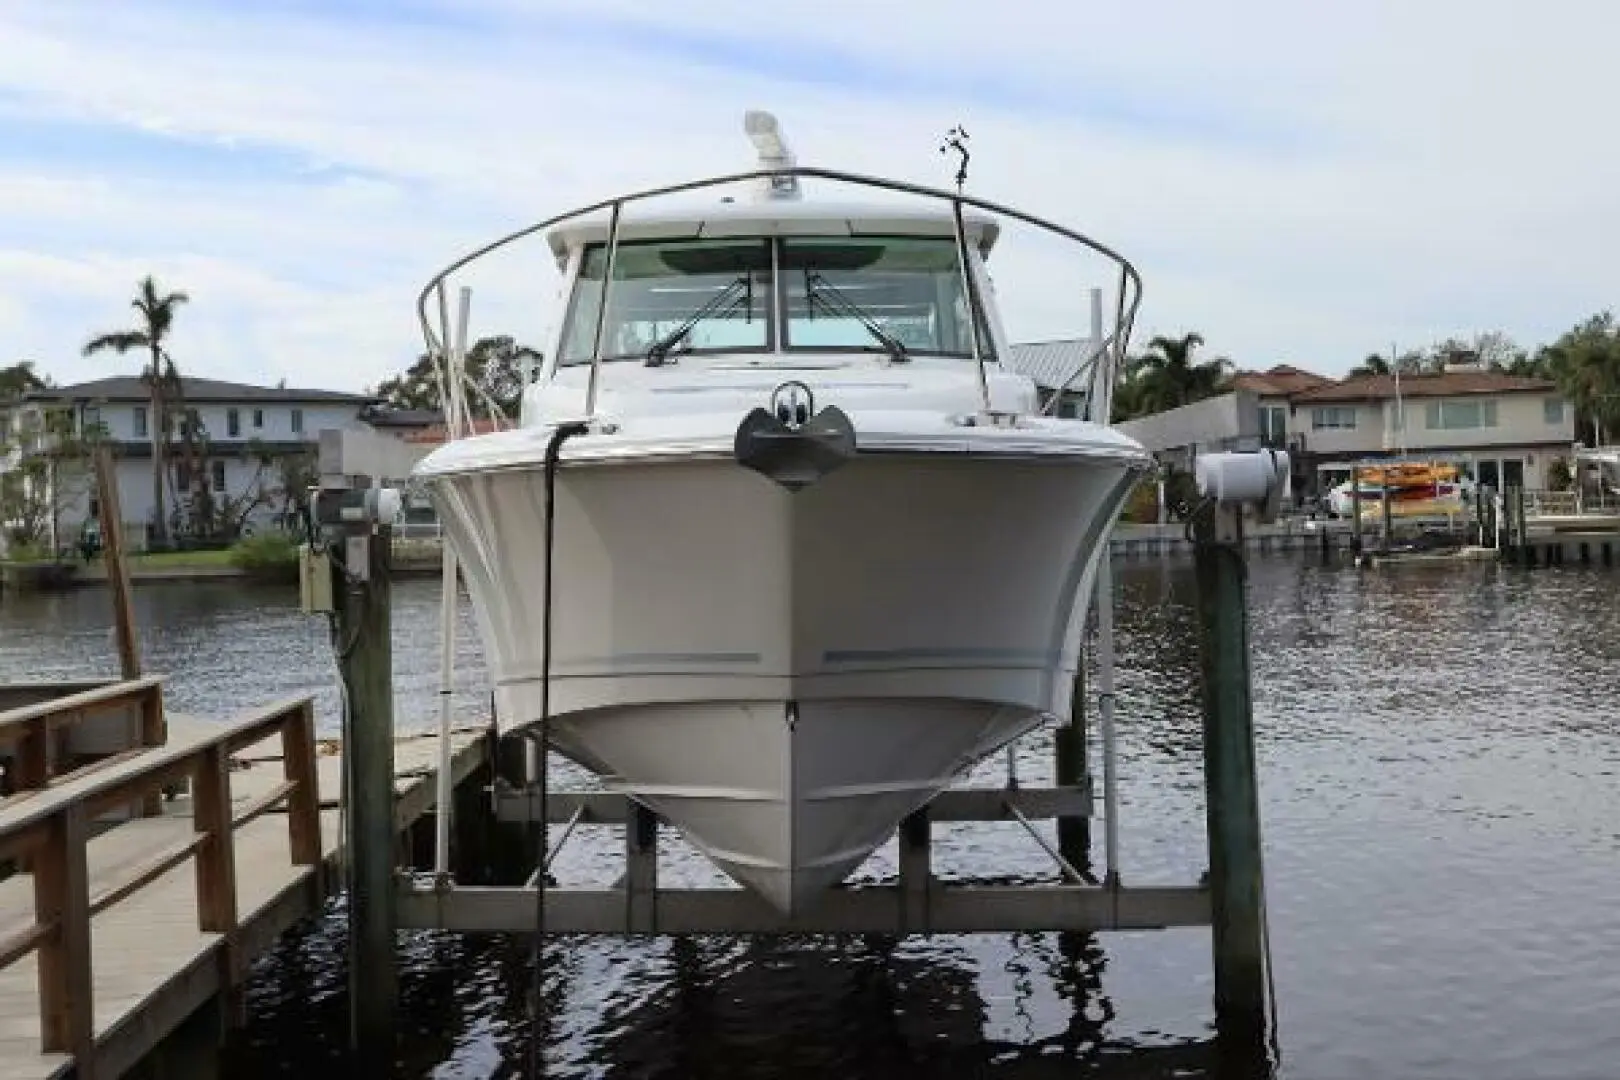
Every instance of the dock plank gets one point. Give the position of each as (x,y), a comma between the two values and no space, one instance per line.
(152,966)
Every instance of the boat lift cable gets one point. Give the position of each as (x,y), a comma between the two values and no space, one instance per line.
(560,435)
(340,652)
(1070,871)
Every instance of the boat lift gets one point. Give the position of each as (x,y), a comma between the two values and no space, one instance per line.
(1229,897)
(1233,487)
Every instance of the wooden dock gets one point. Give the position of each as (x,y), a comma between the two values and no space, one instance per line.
(131,910)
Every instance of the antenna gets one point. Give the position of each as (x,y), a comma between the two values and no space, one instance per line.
(956,139)
(766,135)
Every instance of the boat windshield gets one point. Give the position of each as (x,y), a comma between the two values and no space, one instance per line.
(718,291)
(908,289)
(897,295)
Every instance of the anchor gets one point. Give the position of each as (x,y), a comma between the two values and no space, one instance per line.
(792,443)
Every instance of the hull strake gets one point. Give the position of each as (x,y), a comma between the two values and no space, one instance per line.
(931,605)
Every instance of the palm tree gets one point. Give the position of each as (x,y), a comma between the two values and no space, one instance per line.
(1375,364)
(1165,377)
(156,320)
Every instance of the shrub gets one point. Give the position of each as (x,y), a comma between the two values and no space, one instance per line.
(1142,508)
(27,552)
(267,555)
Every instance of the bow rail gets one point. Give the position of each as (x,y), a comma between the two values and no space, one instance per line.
(1102,369)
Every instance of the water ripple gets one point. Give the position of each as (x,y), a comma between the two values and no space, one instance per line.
(1440,779)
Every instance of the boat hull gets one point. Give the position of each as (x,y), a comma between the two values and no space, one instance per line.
(784,676)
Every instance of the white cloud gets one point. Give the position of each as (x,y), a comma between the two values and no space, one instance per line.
(1299,182)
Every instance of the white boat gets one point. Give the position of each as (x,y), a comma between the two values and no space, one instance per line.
(816,550)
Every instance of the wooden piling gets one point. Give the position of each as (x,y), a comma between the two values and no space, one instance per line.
(1232,797)
(1523,533)
(1355,512)
(111,516)
(1070,766)
(1389,527)
(112,556)
(361,584)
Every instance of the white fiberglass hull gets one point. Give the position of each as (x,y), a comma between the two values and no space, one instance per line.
(784,676)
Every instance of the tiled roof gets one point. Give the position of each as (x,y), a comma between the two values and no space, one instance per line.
(435,433)
(387,416)
(1382,387)
(1051,363)
(1280,381)
(131,388)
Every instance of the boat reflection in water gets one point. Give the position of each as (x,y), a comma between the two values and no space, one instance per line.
(684,1008)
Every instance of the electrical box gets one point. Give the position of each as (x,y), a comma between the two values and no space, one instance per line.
(314,580)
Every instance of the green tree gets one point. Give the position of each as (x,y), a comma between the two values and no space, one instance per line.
(1585,363)
(494,366)
(19,379)
(52,470)
(1167,377)
(1375,364)
(299,474)
(156,320)
(1410,362)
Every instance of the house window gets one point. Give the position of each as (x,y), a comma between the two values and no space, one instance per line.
(1331,417)
(1460,415)
(1273,426)
(258,418)
(140,422)
(1397,416)
(217,468)
(91,420)
(233,424)
(1552,411)
(182,476)
(298,421)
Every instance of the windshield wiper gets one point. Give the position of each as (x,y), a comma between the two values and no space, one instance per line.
(658,354)
(848,307)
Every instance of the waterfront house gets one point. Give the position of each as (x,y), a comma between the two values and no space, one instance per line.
(1274,390)
(1500,429)
(244,441)
(1503,430)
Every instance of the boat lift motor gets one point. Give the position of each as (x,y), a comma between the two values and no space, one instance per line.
(1236,480)
(345,515)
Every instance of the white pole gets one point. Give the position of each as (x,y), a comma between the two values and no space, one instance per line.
(453,425)
(1099,364)
(459,384)
(1105,625)
(1105,716)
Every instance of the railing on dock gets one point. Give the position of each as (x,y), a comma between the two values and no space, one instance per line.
(51,829)
(32,733)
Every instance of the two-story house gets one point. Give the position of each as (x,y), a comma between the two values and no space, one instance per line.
(1503,430)
(1274,390)
(244,434)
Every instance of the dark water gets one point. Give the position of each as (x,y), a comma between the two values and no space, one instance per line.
(1440,776)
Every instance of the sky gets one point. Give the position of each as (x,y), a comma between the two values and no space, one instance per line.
(1298,183)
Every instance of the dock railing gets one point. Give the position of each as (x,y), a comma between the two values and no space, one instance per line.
(33,734)
(50,829)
